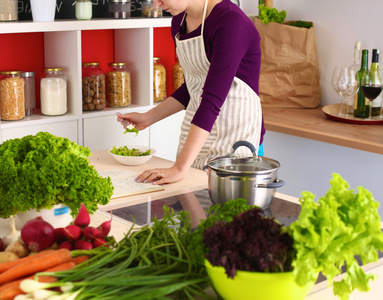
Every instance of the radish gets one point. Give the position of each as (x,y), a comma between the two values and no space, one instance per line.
(1,245)
(97,242)
(83,218)
(66,245)
(60,235)
(104,228)
(90,233)
(83,245)
(72,232)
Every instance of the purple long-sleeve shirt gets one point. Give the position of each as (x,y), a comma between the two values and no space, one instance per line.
(232,46)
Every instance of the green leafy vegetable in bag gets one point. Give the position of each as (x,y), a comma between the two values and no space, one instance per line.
(42,170)
(268,14)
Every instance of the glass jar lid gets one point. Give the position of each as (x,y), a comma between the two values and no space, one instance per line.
(117,64)
(28,74)
(10,72)
(52,69)
(90,64)
(119,1)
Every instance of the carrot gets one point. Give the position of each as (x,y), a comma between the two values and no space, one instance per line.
(10,293)
(79,259)
(7,265)
(35,265)
(43,278)
(62,267)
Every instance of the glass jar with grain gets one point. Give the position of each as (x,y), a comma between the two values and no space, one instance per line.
(177,75)
(149,10)
(118,85)
(93,87)
(159,80)
(12,96)
(53,92)
(9,10)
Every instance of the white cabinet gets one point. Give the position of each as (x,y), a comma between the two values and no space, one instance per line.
(62,44)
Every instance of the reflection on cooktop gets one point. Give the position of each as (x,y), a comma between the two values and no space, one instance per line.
(143,213)
(285,212)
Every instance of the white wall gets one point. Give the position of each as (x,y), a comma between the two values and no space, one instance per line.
(338,24)
(307,165)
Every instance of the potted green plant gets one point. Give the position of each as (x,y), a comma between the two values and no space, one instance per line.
(41,171)
(254,254)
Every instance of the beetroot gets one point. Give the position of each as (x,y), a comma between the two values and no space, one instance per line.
(83,245)
(38,234)
(90,233)
(72,232)
(83,218)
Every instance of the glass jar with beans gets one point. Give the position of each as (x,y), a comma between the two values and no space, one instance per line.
(93,87)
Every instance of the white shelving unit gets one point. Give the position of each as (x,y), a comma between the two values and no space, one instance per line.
(133,44)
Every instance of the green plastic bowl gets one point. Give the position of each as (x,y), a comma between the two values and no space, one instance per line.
(256,285)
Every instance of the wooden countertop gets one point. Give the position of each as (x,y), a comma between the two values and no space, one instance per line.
(194,180)
(313,124)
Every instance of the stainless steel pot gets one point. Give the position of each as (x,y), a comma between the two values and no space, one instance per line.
(251,178)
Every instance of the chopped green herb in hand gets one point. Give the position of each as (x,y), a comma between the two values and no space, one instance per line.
(132,130)
(125,151)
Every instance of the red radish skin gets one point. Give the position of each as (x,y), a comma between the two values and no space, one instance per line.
(1,245)
(83,218)
(60,234)
(104,228)
(37,234)
(72,232)
(83,245)
(66,245)
(90,233)
(97,242)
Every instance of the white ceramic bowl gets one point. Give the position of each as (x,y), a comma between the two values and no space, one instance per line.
(134,160)
(58,216)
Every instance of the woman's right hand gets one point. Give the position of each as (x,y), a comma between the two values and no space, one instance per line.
(139,120)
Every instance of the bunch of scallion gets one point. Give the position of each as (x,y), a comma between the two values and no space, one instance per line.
(148,263)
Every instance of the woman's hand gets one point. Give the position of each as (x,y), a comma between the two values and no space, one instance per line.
(161,176)
(139,120)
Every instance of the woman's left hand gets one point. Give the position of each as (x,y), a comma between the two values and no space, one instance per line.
(161,176)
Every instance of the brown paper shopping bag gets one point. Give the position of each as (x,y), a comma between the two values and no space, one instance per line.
(289,66)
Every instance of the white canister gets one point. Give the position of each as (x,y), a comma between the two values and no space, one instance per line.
(83,9)
(43,10)
(53,92)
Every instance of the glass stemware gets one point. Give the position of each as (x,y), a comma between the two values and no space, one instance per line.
(371,84)
(345,83)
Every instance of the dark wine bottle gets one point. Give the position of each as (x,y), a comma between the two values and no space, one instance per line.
(375,109)
(361,108)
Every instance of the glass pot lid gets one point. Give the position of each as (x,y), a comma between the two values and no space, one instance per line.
(255,164)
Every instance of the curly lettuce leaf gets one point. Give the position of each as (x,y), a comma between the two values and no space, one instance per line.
(330,233)
(269,14)
(42,170)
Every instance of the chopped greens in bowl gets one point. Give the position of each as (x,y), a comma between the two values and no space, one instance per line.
(125,151)
(132,155)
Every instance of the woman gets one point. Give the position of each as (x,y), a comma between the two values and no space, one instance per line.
(219,51)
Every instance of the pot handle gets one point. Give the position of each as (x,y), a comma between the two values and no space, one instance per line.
(205,168)
(271,185)
(244,143)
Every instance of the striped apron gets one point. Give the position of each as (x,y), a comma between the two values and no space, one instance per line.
(240,117)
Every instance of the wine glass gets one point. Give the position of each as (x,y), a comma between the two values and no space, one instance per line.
(371,84)
(345,82)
